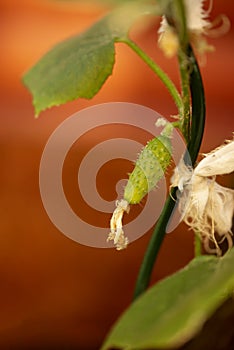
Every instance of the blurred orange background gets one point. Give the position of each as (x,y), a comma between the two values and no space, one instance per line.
(56,293)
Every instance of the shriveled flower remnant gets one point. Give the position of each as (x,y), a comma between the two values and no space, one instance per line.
(206,206)
(116,227)
(198,25)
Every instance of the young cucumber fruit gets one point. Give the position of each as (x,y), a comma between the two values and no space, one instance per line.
(149,169)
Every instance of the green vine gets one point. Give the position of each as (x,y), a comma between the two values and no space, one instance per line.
(197,129)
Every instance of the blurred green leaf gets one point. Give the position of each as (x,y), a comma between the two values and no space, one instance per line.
(79,66)
(175,309)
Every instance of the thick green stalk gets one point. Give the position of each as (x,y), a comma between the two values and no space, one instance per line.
(180,23)
(185,77)
(176,17)
(157,70)
(184,64)
(197,129)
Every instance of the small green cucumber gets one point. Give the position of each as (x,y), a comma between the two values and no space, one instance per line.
(149,169)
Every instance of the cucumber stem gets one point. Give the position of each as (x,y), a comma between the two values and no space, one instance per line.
(197,129)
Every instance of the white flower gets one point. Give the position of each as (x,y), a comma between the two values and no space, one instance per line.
(116,226)
(206,206)
(198,24)
(196,16)
(218,162)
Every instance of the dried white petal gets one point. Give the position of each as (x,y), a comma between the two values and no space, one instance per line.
(199,195)
(163,25)
(221,208)
(182,176)
(196,16)
(168,41)
(218,162)
(117,234)
(207,207)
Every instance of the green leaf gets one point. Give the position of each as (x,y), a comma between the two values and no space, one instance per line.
(175,309)
(79,66)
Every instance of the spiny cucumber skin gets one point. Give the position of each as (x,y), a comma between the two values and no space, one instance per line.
(149,169)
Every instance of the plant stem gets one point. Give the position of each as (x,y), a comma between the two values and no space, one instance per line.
(154,245)
(185,76)
(184,65)
(181,23)
(197,129)
(197,245)
(157,70)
